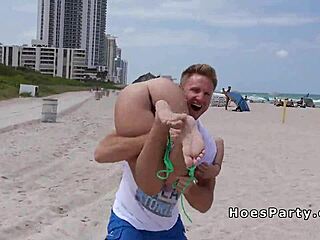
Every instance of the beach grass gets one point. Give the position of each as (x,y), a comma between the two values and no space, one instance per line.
(11,78)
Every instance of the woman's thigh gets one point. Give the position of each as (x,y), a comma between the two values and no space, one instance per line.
(165,89)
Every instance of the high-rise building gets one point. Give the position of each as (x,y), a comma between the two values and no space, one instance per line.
(124,72)
(117,67)
(110,55)
(121,69)
(74,24)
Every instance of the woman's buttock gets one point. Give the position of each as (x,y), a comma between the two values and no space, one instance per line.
(133,115)
(134,109)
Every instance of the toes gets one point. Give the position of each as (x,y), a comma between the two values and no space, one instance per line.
(174,133)
(189,161)
(181,116)
(176,124)
(195,161)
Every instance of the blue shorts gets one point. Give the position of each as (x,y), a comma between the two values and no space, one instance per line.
(122,230)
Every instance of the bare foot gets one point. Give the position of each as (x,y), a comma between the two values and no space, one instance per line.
(192,143)
(183,128)
(167,117)
(191,140)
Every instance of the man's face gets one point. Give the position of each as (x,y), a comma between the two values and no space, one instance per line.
(198,91)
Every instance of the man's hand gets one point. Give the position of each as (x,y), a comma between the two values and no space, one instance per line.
(182,184)
(207,171)
(200,196)
(210,171)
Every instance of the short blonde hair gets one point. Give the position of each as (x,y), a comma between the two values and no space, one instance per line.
(201,69)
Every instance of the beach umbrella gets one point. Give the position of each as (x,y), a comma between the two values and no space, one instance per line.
(239,101)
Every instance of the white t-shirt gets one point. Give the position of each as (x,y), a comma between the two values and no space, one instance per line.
(153,213)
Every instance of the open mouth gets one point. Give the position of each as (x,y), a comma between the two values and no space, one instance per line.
(196,107)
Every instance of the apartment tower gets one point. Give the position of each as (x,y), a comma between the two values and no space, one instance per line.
(79,24)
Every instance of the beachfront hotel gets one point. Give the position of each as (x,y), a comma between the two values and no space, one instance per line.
(116,66)
(61,62)
(78,24)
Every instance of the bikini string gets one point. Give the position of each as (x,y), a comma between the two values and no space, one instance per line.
(164,174)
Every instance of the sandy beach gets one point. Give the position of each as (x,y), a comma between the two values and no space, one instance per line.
(51,188)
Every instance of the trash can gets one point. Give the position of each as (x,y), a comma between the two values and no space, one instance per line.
(49,110)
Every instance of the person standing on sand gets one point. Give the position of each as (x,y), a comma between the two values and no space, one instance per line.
(227,97)
(145,206)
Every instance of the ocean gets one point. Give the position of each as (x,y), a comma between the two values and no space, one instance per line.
(270,96)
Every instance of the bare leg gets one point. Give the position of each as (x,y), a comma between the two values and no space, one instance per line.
(192,144)
(146,167)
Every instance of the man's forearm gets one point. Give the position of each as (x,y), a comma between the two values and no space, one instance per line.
(114,148)
(200,196)
(220,151)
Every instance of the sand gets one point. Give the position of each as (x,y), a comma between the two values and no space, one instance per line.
(22,111)
(51,188)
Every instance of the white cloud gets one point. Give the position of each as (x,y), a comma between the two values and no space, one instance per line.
(247,20)
(304,44)
(210,12)
(282,53)
(292,46)
(268,47)
(165,37)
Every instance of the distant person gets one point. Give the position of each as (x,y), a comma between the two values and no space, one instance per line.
(290,103)
(275,101)
(246,98)
(227,97)
(279,103)
(301,103)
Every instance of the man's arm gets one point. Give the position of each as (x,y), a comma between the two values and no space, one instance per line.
(114,148)
(200,195)
(207,171)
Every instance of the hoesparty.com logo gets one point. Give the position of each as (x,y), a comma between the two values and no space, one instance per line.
(273,212)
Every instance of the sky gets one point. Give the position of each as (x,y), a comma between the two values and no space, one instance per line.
(255,46)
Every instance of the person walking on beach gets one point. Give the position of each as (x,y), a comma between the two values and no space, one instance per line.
(146,206)
(227,97)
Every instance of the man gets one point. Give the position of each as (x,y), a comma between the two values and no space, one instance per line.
(227,97)
(155,216)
